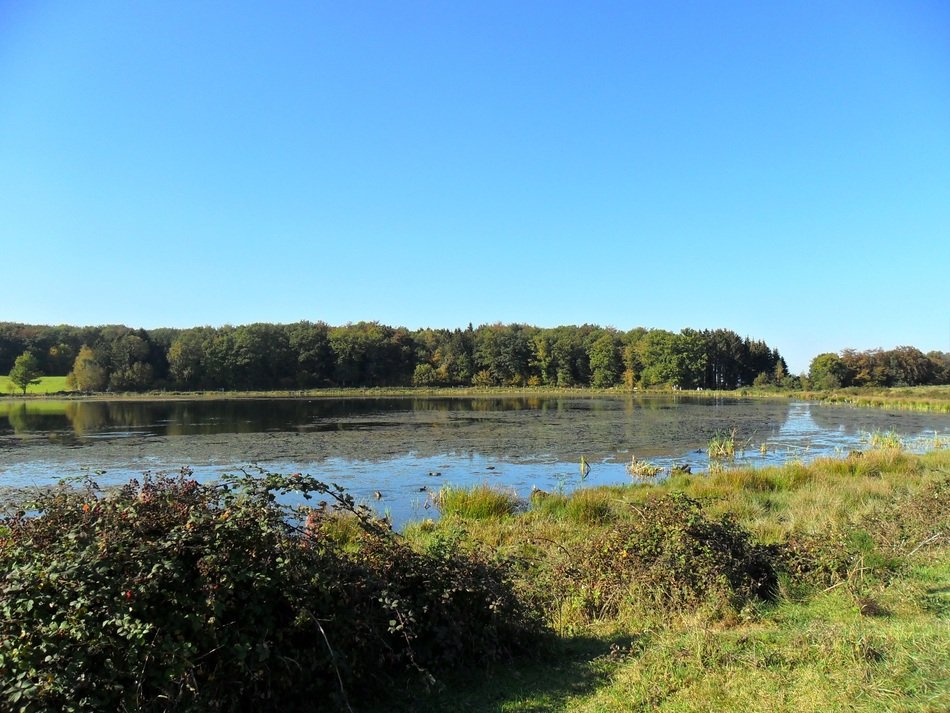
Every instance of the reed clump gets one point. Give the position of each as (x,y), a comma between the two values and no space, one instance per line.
(482,502)
(723,446)
(642,468)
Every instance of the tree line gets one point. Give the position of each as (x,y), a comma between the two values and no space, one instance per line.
(901,366)
(307,355)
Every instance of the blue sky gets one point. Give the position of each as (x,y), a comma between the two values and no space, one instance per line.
(779,169)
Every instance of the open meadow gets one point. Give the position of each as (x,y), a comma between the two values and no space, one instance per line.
(47,385)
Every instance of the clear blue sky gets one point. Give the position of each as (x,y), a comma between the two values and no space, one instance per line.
(781,169)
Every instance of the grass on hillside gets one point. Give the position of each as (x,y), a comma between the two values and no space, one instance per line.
(47,385)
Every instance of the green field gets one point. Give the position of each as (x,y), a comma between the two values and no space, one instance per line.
(47,385)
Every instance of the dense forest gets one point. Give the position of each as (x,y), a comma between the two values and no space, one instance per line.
(368,354)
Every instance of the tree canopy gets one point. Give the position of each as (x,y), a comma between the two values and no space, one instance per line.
(305,355)
(26,371)
(901,366)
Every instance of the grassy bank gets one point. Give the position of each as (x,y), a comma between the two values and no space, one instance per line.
(919,398)
(798,588)
(859,620)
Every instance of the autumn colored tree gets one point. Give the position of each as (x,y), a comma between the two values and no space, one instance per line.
(88,373)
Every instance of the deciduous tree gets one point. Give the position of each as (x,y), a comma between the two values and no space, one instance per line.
(605,362)
(88,373)
(26,371)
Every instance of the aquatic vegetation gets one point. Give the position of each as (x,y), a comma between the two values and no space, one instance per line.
(642,468)
(884,440)
(723,446)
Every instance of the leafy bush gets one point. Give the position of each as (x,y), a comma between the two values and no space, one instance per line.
(174,595)
(818,559)
(673,556)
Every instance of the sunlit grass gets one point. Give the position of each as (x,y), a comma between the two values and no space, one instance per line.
(884,440)
(722,446)
(642,468)
(934,399)
(876,641)
(47,385)
(477,503)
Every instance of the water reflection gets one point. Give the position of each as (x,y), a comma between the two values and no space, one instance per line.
(392,444)
(182,418)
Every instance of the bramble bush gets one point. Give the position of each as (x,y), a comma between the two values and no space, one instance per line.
(671,556)
(172,595)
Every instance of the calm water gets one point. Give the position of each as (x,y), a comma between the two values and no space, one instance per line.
(408,448)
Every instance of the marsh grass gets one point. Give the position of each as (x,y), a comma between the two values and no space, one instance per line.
(589,506)
(481,502)
(863,627)
(642,468)
(934,399)
(884,440)
(723,446)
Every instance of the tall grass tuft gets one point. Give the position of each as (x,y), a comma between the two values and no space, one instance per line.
(722,446)
(589,507)
(884,440)
(481,502)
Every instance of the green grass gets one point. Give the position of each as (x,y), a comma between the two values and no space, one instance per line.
(875,639)
(810,656)
(47,385)
(920,398)
(482,502)
(913,398)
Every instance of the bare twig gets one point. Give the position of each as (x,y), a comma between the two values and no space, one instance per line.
(336,670)
(925,543)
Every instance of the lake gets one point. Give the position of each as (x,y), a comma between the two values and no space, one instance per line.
(407,448)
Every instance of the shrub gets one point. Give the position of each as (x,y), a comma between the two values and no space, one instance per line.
(676,557)
(174,595)
(818,559)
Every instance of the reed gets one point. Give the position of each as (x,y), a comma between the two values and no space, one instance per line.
(722,446)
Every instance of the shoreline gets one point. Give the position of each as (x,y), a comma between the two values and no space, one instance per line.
(927,398)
